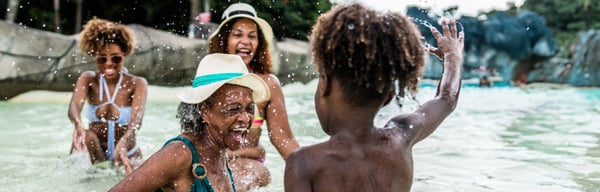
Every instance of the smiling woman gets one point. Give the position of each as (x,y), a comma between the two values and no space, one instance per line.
(244,34)
(214,114)
(114,99)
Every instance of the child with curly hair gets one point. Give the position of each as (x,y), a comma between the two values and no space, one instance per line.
(365,59)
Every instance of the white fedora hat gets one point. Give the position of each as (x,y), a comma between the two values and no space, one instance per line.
(243,10)
(215,70)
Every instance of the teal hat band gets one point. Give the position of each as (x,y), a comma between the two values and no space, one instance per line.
(211,78)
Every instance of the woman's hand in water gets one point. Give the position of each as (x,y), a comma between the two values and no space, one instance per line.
(79,139)
(120,155)
(450,41)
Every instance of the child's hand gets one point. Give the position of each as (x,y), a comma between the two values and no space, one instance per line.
(449,41)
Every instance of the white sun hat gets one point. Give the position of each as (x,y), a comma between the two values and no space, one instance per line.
(215,70)
(243,10)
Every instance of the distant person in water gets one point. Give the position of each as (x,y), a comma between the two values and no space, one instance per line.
(484,81)
(114,99)
(245,34)
(521,81)
(365,59)
(215,114)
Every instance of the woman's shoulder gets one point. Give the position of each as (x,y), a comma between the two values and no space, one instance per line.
(178,149)
(88,74)
(136,79)
(171,160)
(273,83)
(270,79)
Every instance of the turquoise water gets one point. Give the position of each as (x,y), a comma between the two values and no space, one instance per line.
(498,139)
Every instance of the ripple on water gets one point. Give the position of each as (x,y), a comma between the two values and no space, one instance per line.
(498,139)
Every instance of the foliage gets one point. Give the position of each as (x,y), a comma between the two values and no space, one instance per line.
(288,18)
(566,18)
(40,14)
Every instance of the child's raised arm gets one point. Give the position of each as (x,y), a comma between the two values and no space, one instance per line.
(430,115)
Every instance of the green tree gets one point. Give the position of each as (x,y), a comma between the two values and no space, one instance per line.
(566,18)
(288,18)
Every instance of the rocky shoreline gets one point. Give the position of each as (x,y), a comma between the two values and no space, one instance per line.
(32,59)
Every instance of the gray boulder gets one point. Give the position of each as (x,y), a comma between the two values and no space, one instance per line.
(585,70)
(32,59)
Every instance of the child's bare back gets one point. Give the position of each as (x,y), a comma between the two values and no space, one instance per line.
(365,59)
(381,162)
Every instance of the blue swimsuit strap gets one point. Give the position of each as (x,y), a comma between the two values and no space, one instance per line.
(199,185)
(110,140)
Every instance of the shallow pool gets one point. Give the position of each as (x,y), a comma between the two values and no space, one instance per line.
(498,139)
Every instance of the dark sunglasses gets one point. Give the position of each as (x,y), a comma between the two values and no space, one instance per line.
(103,59)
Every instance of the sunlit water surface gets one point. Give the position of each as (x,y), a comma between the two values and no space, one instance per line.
(498,139)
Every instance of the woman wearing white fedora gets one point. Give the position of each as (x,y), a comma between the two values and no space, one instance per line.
(243,33)
(215,114)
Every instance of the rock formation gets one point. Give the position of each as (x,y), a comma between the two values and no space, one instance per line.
(502,46)
(34,59)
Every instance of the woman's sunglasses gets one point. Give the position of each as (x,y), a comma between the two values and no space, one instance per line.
(103,59)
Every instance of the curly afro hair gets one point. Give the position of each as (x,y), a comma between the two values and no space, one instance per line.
(368,52)
(97,34)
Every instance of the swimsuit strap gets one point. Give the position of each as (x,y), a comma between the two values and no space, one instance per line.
(231,177)
(111,145)
(188,143)
(104,87)
(110,140)
(258,119)
(257,123)
(199,185)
